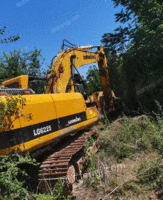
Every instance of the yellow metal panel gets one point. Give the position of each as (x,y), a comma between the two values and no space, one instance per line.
(21,80)
(40,108)
(68,104)
(37,109)
(91,113)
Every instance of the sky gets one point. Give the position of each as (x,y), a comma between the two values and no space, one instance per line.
(44,24)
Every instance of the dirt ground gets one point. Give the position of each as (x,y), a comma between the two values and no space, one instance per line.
(121,174)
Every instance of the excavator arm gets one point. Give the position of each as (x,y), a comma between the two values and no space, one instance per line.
(64,64)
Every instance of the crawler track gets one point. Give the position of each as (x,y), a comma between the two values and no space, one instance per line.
(57,165)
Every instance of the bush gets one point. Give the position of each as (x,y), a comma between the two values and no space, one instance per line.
(58,191)
(11,176)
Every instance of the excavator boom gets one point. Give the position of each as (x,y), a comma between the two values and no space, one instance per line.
(64,64)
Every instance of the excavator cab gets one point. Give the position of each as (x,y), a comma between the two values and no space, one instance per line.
(77,79)
(16,86)
(79,86)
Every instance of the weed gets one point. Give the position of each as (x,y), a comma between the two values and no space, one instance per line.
(89,142)
(94,173)
(87,182)
(10,110)
(131,137)
(44,197)
(151,173)
(126,138)
(58,192)
(93,178)
(12,182)
(157,143)
(133,186)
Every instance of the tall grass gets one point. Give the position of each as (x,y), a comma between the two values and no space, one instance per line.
(128,136)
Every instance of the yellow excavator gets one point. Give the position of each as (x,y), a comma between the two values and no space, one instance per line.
(50,118)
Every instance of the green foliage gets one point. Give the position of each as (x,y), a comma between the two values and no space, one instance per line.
(9,39)
(11,176)
(148,98)
(126,189)
(134,49)
(132,136)
(44,197)
(149,177)
(89,143)
(38,86)
(143,28)
(158,139)
(93,80)
(91,157)
(10,110)
(134,187)
(151,173)
(116,73)
(58,192)
(21,63)
(92,163)
(93,178)
(18,63)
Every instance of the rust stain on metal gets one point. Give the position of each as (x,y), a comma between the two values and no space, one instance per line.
(60,69)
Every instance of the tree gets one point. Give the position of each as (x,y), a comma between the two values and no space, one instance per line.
(18,63)
(9,39)
(144,26)
(93,80)
(138,44)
